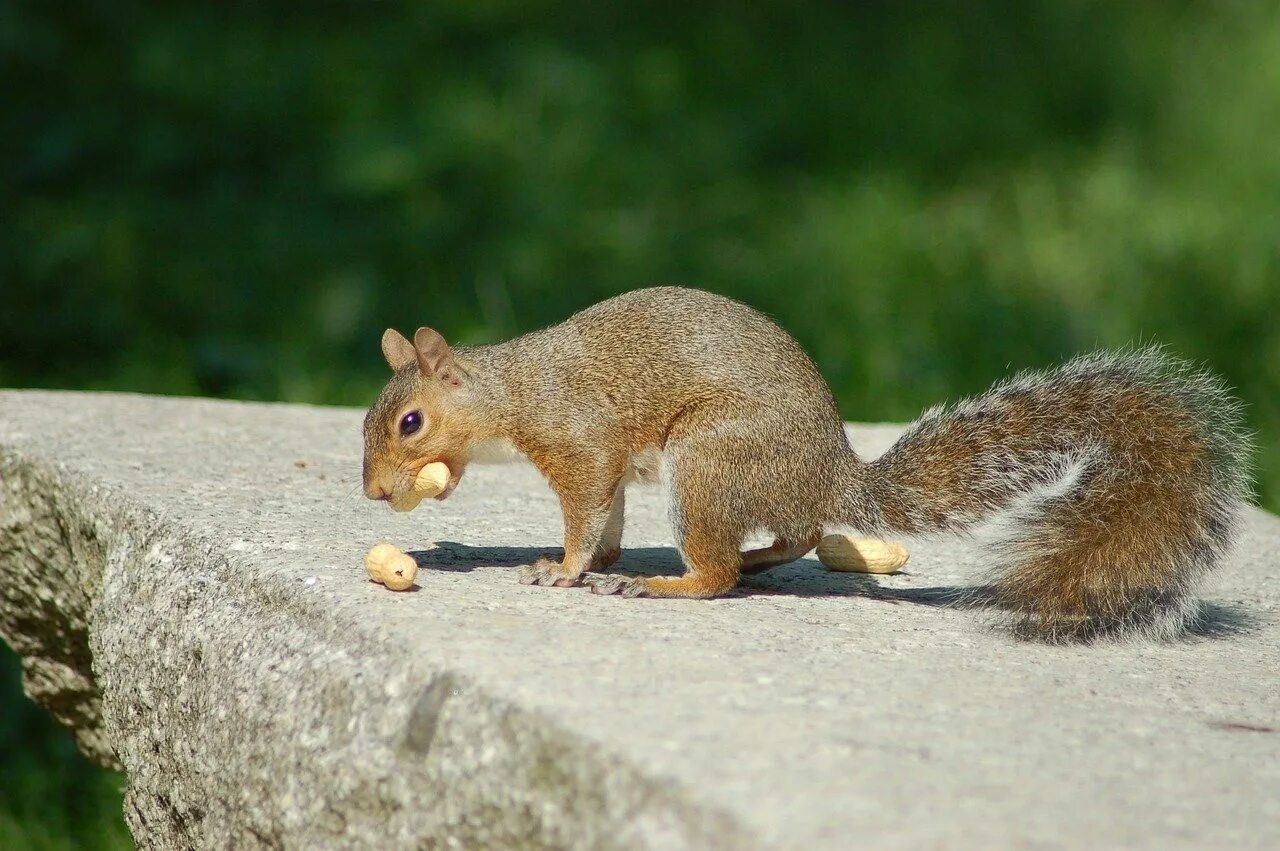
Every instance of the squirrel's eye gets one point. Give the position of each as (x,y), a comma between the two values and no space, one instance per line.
(410,423)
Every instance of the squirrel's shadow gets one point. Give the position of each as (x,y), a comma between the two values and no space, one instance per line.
(804,578)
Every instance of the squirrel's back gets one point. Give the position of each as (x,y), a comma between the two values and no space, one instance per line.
(658,352)
(719,344)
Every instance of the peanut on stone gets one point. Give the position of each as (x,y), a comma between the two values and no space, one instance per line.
(399,571)
(376,558)
(861,555)
(393,568)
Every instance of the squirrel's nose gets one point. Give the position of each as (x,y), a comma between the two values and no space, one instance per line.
(372,489)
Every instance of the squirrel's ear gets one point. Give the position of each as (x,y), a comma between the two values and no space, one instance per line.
(435,357)
(398,351)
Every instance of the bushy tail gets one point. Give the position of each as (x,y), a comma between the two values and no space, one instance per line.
(1114,481)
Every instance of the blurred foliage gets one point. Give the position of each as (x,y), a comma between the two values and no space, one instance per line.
(51,799)
(236,199)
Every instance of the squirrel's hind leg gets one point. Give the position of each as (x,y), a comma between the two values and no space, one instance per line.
(709,528)
(712,559)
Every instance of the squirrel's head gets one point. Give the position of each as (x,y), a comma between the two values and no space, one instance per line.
(421,416)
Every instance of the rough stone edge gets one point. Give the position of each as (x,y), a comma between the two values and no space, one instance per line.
(47,624)
(343,744)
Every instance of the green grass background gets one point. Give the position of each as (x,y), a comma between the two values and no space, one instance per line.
(235,199)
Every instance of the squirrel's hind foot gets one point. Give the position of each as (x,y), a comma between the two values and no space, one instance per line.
(622,586)
(689,586)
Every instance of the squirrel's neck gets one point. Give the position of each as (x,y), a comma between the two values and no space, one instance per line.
(498,393)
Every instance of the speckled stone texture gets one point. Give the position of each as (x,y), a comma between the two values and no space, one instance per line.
(183,579)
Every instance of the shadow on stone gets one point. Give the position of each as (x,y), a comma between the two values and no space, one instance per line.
(803,578)
(1217,621)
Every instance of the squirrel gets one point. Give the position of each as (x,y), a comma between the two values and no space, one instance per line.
(1115,481)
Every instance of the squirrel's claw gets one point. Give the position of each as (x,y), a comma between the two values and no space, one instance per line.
(623,586)
(548,574)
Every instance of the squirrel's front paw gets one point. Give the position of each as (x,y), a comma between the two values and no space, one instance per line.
(623,586)
(548,573)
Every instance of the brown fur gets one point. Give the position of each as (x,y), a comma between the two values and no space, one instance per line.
(1120,476)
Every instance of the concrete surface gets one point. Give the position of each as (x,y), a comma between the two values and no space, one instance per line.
(184,581)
